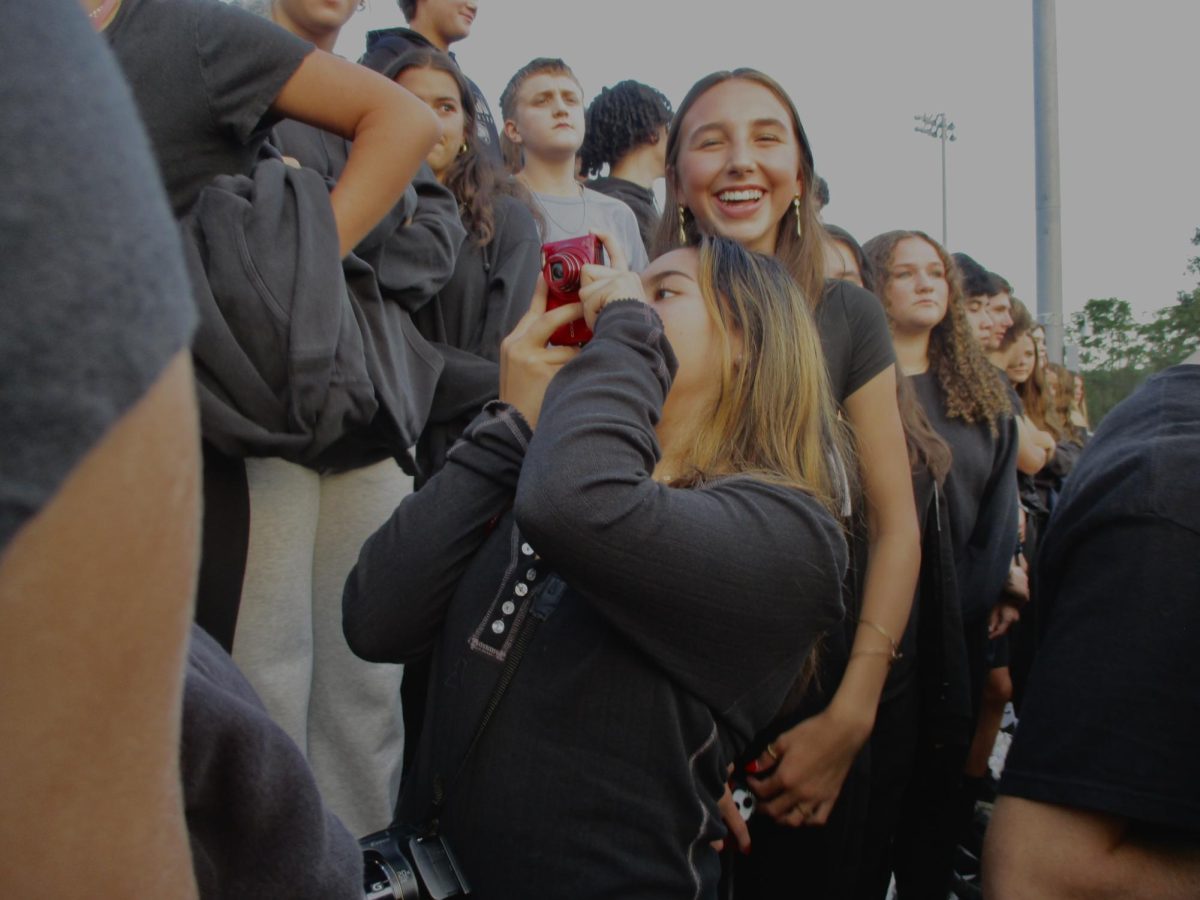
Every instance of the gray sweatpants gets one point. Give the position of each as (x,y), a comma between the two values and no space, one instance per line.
(305,533)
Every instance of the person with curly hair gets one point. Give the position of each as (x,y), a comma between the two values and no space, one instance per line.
(969,407)
(627,131)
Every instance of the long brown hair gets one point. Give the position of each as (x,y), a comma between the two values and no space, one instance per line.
(970,384)
(804,255)
(926,448)
(774,417)
(472,177)
(1035,393)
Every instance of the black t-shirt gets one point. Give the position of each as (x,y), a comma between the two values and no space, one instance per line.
(854,335)
(95,304)
(204,75)
(1111,717)
(95,298)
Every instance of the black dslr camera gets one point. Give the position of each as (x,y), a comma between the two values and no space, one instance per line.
(405,864)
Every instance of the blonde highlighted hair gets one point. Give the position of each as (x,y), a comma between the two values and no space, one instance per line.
(774,417)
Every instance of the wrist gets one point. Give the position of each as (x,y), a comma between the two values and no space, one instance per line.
(852,719)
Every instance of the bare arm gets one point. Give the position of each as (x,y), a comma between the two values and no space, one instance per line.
(95,604)
(391,131)
(1031,452)
(1037,850)
(818,752)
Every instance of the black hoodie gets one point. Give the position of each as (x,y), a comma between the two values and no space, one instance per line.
(637,198)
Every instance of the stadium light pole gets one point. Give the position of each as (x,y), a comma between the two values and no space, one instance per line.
(937,126)
(1049,202)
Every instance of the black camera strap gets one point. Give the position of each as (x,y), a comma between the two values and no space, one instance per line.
(543,602)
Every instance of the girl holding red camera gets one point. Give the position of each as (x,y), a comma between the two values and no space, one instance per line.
(651,521)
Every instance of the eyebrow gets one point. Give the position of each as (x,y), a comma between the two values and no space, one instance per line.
(659,276)
(757,123)
(550,92)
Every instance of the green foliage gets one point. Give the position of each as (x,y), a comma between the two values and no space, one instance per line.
(1174,332)
(1117,352)
(1107,336)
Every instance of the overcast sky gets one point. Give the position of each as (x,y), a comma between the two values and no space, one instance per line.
(860,71)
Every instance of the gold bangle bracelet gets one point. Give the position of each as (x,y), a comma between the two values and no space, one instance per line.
(891,657)
(895,649)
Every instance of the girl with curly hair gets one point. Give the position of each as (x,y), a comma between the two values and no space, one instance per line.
(627,131)
(739,165)
(967,404)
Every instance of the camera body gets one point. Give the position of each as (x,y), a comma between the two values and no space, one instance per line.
(564,261)
(403,863)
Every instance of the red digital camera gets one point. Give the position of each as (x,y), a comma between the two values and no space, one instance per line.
(564,261)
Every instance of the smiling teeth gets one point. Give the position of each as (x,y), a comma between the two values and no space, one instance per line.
(735,196)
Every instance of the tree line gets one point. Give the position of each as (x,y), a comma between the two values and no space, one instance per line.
(1117,352)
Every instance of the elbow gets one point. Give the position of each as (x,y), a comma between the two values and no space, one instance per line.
(536,509)
(360,637)
(561,515)
(1030,460)
(370,636)
(420,125)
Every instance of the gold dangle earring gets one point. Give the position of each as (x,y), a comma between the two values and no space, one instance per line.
(682,229)
(796,207)
(462,149)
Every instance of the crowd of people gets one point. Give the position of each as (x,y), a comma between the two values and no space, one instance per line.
(313,528)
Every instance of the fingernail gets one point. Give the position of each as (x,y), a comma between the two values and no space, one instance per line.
(753,767)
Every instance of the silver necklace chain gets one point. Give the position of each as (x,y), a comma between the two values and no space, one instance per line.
(582,222)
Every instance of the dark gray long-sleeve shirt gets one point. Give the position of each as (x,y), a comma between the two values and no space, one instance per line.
(669,625)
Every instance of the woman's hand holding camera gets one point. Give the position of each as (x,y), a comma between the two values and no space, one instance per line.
(600,284)
(526,362)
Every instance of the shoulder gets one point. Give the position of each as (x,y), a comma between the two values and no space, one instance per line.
(96,298)
(855,336)
(619,209)
(768,504)
(857,306)
(1143,456)
(512,214)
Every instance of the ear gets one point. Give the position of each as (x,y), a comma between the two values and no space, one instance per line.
(510,131)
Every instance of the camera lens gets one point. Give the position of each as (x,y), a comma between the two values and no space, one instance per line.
(389,879)
(556,271)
